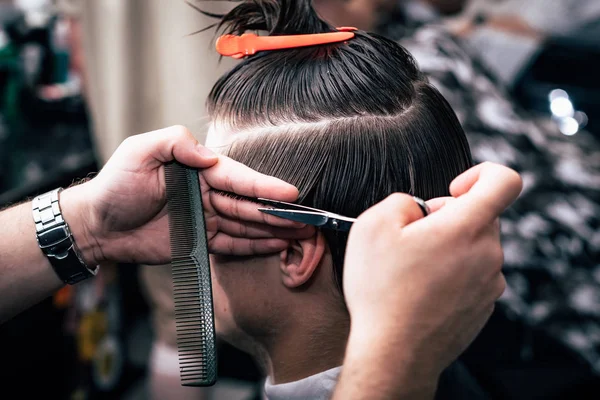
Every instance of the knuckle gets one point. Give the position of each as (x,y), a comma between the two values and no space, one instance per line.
(396,196)
(265,219)
(404,206)
(365,229)
(366,224)
(180,133)
(255,187)
(398,200)
(228,184)
(235,209)
(243,230)
(253,246)
(180,130)
(129,141)
(370,217)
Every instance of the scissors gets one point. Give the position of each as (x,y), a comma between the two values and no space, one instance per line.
(316,217)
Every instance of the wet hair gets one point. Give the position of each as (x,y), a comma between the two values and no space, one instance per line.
(347,123)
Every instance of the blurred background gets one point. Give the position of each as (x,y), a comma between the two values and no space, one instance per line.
(77,77)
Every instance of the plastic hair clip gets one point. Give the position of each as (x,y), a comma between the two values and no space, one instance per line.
(249,43)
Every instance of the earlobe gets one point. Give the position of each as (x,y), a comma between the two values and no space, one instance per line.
(301,259)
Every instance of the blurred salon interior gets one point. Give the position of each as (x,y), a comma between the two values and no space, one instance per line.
(78,77)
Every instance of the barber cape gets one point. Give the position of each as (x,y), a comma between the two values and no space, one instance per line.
(455,383)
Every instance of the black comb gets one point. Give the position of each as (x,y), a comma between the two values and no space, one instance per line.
(194,313)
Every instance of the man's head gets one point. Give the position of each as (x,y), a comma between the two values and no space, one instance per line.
(348,124)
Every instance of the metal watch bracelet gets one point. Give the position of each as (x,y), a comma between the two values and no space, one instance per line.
(56,240)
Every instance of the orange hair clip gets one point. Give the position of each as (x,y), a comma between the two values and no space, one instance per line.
(249,43)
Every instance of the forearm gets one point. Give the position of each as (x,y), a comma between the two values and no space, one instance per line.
(26,275)
(376,369)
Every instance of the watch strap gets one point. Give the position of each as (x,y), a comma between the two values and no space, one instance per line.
(56,240)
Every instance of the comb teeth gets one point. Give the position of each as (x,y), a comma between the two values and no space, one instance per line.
(194,316)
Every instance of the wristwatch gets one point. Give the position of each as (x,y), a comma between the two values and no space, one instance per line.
(56,241)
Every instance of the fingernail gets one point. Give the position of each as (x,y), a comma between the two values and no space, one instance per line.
(205,151)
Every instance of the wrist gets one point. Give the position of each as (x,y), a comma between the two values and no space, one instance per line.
(77,212)
(400,362)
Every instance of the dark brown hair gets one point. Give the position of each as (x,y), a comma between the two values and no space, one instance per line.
(347,123)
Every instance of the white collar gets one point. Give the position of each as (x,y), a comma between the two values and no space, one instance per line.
(315,387)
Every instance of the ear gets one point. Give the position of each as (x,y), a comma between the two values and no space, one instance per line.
(301,259)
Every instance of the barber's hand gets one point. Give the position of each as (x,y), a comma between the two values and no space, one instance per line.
(422,288)
(124,209)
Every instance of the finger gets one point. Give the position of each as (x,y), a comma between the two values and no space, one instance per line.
(438,203)
(227,245)
(253,230)
(244,210)
(486,190)
(231,176)
(398,207)
(165,145)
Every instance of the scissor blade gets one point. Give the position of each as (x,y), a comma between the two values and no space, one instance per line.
(305,217)
(274,203)
(289,206)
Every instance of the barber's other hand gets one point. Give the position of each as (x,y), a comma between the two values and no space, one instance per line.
(121,215)
(423,290)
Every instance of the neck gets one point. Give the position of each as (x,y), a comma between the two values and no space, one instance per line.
(312,345)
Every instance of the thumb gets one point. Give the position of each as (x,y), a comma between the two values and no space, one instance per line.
(162,146)
(487,189)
